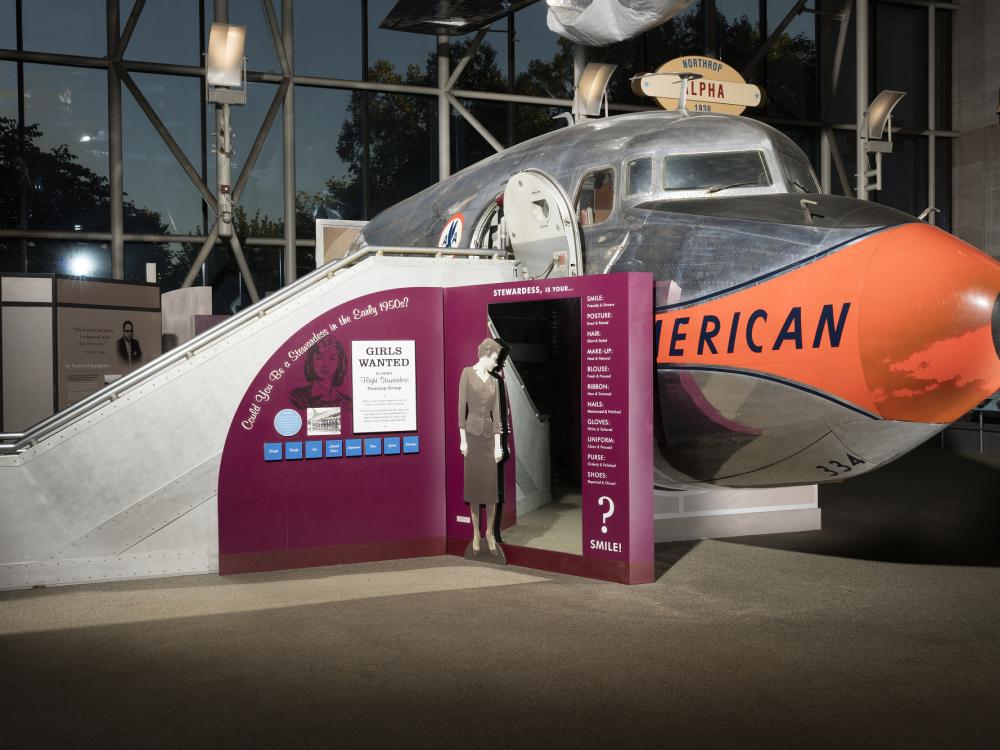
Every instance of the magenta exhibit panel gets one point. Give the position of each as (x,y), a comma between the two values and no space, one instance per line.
(335,453)
(391,425)
(609,366)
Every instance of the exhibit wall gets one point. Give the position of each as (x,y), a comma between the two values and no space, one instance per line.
(334,453)
(615,429)
(345,446)
(26,350)
(65,338)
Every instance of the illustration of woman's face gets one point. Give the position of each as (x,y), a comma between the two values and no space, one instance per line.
(325,364)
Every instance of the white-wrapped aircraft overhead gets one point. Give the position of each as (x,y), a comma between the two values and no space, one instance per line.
(799,337)
(600,22)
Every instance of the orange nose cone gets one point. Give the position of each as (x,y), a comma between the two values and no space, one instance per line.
(996,325)
(930,325)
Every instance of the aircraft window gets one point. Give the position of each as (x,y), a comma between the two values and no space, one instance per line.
(597,197)
(639,177)
(799,173)
(715,171)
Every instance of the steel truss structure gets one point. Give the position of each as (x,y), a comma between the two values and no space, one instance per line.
(448,94)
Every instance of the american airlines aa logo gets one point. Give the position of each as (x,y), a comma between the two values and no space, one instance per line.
(451,235)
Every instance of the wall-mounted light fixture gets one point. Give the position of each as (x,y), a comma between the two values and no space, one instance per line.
(876,122)
(591,91)
(224,61)
(225,84)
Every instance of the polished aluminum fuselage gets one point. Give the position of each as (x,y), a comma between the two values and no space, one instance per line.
(569,154)
(732,428)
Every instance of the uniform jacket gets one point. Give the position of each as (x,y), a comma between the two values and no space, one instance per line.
(479,405)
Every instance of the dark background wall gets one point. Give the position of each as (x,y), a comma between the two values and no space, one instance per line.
(976,82)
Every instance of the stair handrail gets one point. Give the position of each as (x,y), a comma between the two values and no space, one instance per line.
(17,442)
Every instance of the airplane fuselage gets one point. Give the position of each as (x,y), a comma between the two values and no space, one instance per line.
(800,337)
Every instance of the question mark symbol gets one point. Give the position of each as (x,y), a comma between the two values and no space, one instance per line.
(608,513)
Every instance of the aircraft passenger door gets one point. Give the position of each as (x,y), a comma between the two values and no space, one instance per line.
(541,225)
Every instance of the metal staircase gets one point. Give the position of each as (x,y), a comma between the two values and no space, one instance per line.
(123,483)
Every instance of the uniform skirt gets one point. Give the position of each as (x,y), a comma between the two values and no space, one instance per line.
(480,471)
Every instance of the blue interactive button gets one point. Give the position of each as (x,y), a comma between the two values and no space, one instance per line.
(287,422)
(391,446)
(373,446)
(353,447)
(411,444)
(272,451)
(314,449)
(293,451)
(334,448)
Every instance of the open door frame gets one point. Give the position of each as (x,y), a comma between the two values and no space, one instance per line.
(541,224)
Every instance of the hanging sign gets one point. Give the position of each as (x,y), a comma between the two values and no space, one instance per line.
(720,87)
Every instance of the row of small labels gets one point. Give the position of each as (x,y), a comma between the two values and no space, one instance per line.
(297,450)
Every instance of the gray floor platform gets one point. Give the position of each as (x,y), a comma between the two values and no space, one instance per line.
(556,526)
(881,630)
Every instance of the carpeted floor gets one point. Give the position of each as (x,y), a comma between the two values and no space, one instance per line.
(882,630)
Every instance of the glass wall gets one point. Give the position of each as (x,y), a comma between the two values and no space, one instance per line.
(8,24)
(904,175)
(159,196)
(81,258)
(66,148)
(489,69)
(330,44)
(401,140)
(398,56)
(543,62)
(329,156)
(12,172)
(837,103)
(365,131)
(172,259)
(66,27)
(167,32)
(899,27)
(942,181)
(790,74)
(738,30)
(10,256)
(942,70)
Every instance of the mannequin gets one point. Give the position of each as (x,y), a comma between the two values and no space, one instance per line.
(480,425)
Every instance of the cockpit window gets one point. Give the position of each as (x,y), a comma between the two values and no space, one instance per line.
(597,197)
(639,176)
(798,173)
(715,171)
